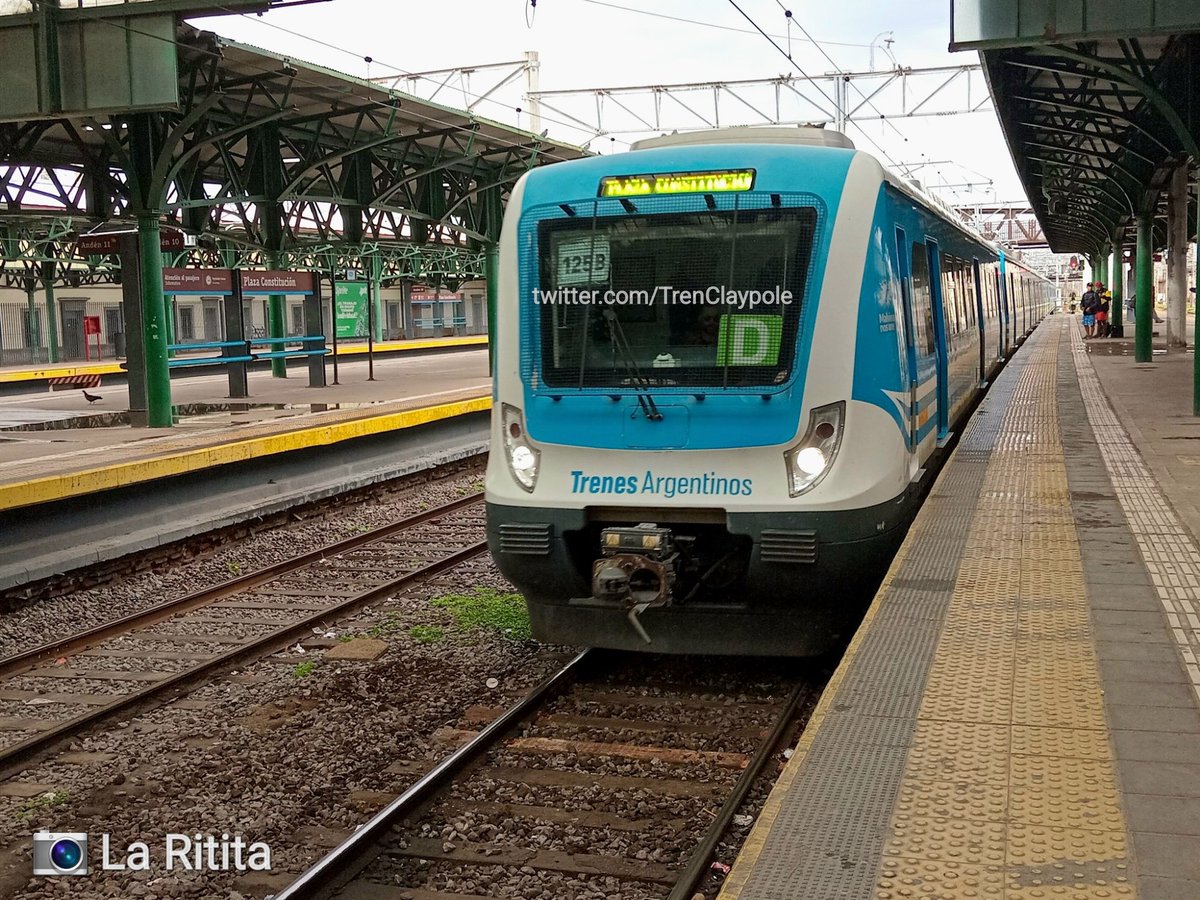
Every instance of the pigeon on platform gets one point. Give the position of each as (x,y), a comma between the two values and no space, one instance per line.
(91,398)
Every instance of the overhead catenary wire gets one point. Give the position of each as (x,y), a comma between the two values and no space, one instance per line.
(820,90)
(685,20)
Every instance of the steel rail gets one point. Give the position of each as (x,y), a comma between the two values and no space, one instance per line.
(22,662)
(698,865)
(19,755)
(345,861)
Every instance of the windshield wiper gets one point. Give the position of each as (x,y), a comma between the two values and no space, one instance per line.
(625,353)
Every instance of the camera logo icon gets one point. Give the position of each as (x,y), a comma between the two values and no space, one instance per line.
(60,853)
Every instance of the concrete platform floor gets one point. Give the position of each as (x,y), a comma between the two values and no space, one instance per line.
(288,403)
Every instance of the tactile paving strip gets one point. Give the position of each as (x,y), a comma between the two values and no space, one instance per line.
(961,750)
(824,831)
(1167,550)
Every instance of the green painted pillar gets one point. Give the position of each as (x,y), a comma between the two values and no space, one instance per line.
(491,273)
(1102,266)
(1143,346)
(375,273)
(169,309)
(1116,311)
(35,326)
(51,316)
(154,324)
(276,317)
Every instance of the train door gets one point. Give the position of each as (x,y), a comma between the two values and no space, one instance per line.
(910,348)
(1005,299)
(942,342)
(980,320)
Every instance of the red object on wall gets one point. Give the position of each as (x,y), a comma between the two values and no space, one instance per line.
(91,325)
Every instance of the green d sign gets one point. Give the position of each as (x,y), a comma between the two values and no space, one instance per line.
(749,340)
(350,308)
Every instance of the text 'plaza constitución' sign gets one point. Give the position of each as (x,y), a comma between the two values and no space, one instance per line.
(715,182)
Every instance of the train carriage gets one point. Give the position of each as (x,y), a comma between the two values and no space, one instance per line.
(726,365)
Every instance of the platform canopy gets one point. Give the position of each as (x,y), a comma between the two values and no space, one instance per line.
(264,153)
(1099,101)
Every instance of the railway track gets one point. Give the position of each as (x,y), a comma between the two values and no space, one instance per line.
(612,778)
(147,657)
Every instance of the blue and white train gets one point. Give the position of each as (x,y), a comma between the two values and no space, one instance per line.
(726,365)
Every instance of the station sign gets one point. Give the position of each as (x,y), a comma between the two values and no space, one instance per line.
(169,241)
(276,282)
(197,281)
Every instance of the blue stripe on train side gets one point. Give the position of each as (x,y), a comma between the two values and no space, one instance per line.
(880,359)
(589,417)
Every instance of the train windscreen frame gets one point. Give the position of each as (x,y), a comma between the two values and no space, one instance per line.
(698,299)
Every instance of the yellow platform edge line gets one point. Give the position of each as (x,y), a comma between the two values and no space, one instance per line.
(747,858)
(57,487)
(103,368)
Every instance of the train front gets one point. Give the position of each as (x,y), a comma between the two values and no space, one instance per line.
(673,465)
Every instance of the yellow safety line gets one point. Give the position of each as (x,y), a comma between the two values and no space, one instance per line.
(421,344)
(346,350)
(57,487)
(61,372)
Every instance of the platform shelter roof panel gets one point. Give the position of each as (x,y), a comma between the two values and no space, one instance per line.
(1095,126)
(280,151)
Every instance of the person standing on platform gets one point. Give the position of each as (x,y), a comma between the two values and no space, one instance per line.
(1102,305)
(1087,304)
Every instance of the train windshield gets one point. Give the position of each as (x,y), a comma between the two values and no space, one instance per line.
(703,299)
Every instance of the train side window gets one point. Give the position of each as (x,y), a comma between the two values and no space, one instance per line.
(949,298)
(969,278)
(922,299)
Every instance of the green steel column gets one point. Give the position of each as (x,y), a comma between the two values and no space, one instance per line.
(276,317)
(1116,311)
(491,273)
(169,310)
(1143,347)
(154,326)
(51,318)
(35,326)
(375,273)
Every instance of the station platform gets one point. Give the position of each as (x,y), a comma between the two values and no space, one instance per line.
(1019,714)
(45,372)
(58,446)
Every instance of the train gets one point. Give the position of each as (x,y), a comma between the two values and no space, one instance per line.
(726,366)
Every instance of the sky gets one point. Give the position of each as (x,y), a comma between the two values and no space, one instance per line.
(595,43)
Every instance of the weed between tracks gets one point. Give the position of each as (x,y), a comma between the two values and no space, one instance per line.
(304,669)
(42,802)
(488,609)
(426,634)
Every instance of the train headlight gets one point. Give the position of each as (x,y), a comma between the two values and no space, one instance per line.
(809,460)
(522,457)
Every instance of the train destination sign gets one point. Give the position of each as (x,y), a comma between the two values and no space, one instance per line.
(714,182)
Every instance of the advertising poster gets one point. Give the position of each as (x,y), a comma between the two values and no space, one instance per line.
(350,308)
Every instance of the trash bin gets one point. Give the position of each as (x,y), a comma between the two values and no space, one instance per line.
(118,338)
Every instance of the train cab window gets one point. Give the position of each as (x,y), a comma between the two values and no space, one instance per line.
(922,299)
(691,299)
